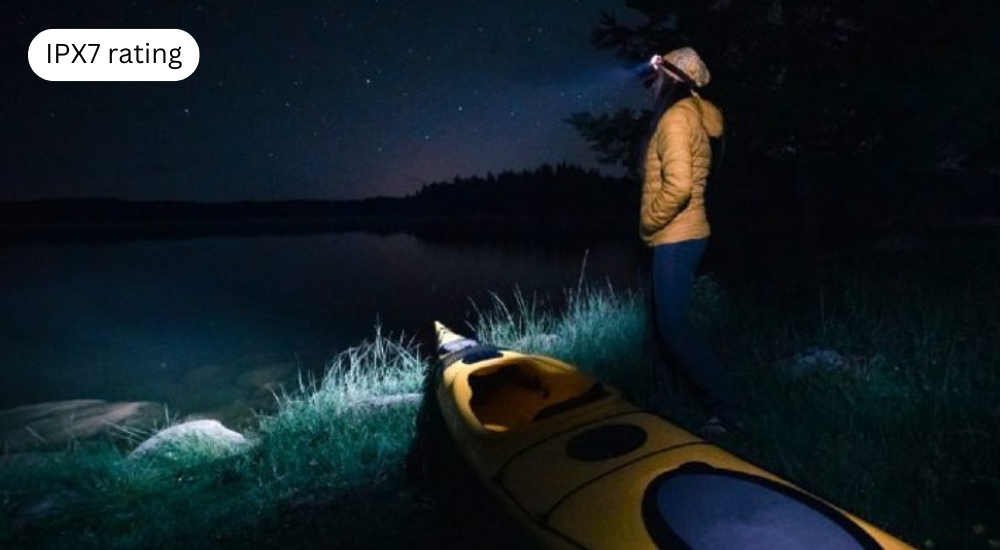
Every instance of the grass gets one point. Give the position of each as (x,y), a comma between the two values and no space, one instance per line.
(327,445)
(908,434)
(905,432)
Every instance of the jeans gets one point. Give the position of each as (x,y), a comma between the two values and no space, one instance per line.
(674,267)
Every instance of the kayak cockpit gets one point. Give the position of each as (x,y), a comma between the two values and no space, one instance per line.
(514,395)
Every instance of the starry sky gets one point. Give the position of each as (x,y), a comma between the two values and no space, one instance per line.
(311,100)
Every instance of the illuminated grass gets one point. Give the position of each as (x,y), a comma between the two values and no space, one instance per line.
(325,446)
(600,330)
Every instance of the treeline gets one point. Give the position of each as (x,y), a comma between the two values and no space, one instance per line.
(563,191)
(510,203)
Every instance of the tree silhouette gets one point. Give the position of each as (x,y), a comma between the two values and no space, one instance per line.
(841,114)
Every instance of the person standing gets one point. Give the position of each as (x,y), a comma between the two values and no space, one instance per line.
(673,220)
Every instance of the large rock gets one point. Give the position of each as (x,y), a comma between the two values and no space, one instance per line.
(195,441)
(238,413)
(55,424)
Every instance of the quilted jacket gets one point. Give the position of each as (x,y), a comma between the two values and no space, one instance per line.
(678,160)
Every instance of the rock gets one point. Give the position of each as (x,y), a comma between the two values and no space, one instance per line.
(816,360)
(240,413)
(199,440)
(48,425)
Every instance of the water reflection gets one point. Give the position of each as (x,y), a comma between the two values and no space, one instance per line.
(212,325)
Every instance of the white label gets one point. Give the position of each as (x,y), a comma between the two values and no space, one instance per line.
(113,54)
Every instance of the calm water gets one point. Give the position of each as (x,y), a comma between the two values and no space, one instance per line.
(202,324)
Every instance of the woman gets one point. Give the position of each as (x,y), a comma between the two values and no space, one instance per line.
(678,158)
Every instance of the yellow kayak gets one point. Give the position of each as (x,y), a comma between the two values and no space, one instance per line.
(577,466)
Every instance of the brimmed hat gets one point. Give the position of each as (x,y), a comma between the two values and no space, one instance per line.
(689,63)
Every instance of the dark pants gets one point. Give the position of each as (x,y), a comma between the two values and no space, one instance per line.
(674,267)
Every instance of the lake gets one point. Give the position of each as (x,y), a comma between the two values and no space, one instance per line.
(208,324)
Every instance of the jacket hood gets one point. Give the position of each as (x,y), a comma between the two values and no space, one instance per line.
(711,117)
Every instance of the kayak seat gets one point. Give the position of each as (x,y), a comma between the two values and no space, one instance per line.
(512,396)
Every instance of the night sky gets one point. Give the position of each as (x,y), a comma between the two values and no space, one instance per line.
(317,100)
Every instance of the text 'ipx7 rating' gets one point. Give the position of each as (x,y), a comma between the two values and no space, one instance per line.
(113,54)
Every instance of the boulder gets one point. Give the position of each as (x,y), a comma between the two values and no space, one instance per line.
(195,441)
(240,413)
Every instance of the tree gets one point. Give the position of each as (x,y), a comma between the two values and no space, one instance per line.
(828,104)
(614,137)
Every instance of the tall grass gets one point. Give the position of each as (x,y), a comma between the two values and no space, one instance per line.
(600,330)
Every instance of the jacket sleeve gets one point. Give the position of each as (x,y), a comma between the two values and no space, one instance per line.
(673,144)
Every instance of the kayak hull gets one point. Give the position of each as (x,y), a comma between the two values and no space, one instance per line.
(577,466)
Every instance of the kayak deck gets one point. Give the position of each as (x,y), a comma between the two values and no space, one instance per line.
(579,467)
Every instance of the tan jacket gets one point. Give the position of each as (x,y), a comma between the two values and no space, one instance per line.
(677,164)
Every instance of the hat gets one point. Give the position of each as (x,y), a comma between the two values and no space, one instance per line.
(687,60)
